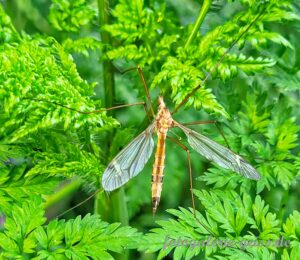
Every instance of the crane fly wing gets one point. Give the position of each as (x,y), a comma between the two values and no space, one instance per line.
(219,154)
(129,162)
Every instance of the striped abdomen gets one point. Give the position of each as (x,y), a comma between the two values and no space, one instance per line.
(158,170)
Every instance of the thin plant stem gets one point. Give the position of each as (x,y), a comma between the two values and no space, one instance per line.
(200,18)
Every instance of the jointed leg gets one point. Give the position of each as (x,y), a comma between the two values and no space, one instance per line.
(200,122)
(94,111)
(130,105)
(144,85)
(80,203)
(189,167)
(191,180)
(146,90)
(222,133)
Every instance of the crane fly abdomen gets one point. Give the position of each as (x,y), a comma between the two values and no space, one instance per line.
(163,122)
(158,170)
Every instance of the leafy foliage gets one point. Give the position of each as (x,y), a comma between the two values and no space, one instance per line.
(83,238)
(32,117)
(227,216)
(16,186)
(81,45)
(148,25)
(184,69)
(262,129)
(69,16)
(53,127)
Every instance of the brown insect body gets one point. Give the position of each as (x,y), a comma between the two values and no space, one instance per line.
(163,122)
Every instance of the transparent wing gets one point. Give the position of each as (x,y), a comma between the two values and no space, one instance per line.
(129,162)
(219,154)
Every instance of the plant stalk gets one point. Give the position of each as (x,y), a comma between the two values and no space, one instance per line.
(200,18)
(113,209)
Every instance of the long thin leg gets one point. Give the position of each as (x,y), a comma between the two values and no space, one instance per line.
(200,122)
(191,180)
(222,133)
(146,90)
(94,111)
(191,189)
(189,167)
(80,203)
(144,85)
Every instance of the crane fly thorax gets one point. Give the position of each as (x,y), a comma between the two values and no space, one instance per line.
(164,120)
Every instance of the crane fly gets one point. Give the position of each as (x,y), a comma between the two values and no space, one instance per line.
(132,159)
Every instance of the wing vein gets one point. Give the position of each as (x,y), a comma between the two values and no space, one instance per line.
(129,162)
(219,154)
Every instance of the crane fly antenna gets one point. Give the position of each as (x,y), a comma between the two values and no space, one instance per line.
(217,64)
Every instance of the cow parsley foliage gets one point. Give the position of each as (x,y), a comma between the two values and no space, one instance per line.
(51,137)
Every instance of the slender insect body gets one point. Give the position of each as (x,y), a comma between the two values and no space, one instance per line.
(158,171)
(162,124)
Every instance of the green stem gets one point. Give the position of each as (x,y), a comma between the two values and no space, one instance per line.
(114,208)
(67,190)
(283,204)
(200,18)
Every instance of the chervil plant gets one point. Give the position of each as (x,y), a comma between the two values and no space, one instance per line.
(61,64)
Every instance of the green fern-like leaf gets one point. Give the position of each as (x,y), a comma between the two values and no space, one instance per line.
(25,87)
(82,45)
(72,164)
(225,212)
(16,185)
(18,238)
(88,237)
(69,16)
